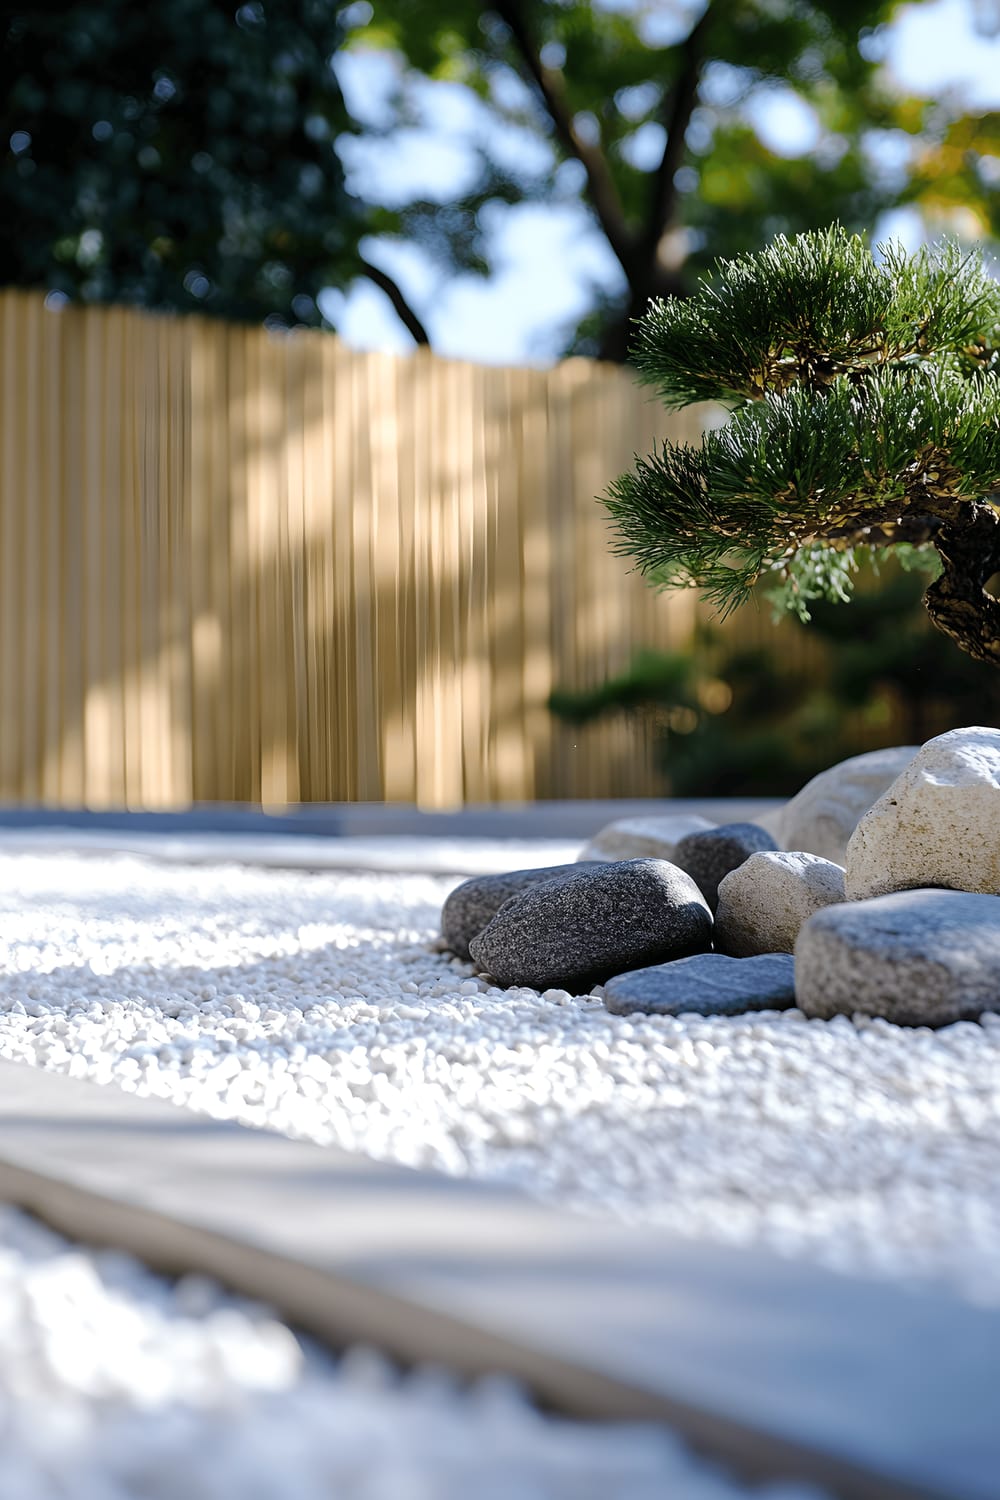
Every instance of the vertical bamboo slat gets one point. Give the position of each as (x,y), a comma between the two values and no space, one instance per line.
(425,777)
(96,721)
(398,592)
(32,620)
(205,637)
(12,502)
(362,712)
(150,436)
(115,615)
(543,569)
(72,668)
(319,592)
(235,566)
(512,756)
(179,336)
(473,565)
(48,396)
(131,577)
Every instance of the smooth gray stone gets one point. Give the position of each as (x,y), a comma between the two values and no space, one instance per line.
(709,856)
(475,902)
(917,958)
(577,930)
(710,983)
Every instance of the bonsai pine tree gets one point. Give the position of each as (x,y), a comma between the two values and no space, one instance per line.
(864,401)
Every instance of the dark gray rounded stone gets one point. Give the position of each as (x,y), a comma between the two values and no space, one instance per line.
(475,902)
(710,855)
(918,958)
(577,930)
(709,983)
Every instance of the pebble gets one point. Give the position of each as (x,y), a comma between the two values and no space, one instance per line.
(578,929)
(916,958)
(836,1141)
(938,824)
(475,902)
(822,816)
(711,984)
(708,856)
(764,902)
(643,838)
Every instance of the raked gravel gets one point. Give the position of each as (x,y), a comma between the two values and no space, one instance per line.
(118,1385)
(317,1004)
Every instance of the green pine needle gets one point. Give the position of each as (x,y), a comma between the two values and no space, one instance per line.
(865,401)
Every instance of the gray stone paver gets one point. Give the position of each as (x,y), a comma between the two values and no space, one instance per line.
(772,1366)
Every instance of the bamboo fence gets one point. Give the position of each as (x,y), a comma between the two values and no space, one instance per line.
(269,569)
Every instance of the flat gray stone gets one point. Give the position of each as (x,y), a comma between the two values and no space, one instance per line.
(711,984)
(708,856)
(917,958)
(475,902)
(764,902)
(576,930)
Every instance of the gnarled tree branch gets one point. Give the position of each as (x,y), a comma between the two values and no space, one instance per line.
(679,105)
(601,189)
(647,277)
(957,602)
(403,310)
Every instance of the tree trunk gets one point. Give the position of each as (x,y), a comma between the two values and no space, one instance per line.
(957,602)
(619,334)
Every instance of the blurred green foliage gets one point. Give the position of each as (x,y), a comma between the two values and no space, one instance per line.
(176,155)
(649,112)
(182,155)
(731,721)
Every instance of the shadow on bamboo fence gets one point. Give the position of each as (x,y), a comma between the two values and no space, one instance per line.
(242,567)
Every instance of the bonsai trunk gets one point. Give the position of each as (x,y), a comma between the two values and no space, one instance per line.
(957,602)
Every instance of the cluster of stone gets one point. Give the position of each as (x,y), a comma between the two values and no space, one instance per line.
(674,914)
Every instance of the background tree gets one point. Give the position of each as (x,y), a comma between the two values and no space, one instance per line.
(648,114)
(176,155)
(190,157)
(955,176)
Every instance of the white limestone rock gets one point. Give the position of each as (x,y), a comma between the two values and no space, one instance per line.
(772,822)
(916,958)
(643,838)
(764,902)
(822,816)
(938,824)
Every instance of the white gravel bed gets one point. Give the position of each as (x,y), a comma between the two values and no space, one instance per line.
(118,1385)
(316,1004)
(408,852)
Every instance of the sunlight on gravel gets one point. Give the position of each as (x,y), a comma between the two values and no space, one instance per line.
(116,1384)
(318,1005)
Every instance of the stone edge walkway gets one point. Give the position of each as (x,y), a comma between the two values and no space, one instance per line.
(771,1367)
(565,819)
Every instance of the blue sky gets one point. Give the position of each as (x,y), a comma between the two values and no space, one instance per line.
(547,256)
